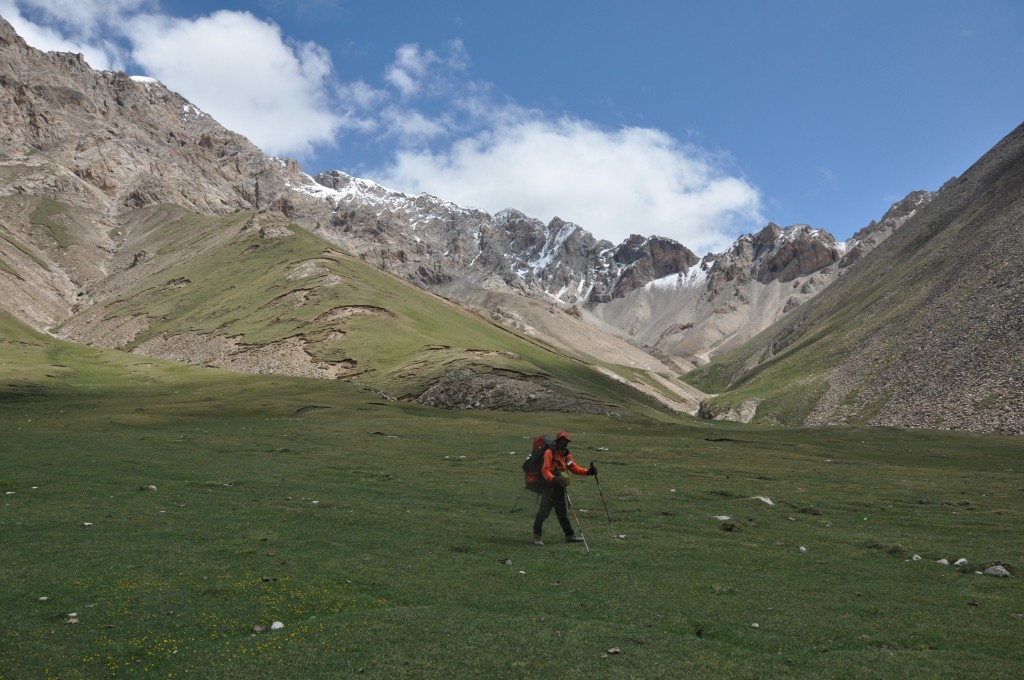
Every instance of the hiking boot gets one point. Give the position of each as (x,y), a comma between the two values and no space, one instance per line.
(573,538)
(536,540)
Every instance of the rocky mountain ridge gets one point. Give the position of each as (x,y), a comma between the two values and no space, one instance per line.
(718,300)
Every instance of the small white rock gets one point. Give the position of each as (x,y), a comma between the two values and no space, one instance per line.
(803,549)
(276,625)
(916,558)
(86,524)
(997,570)
(755,625)
(723,518)
(944,562)
(43,598)
(765,500)
(960,562)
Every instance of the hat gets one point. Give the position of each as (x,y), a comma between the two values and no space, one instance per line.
(563,435)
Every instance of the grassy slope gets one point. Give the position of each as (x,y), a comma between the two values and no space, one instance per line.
(240,286)
(359,525)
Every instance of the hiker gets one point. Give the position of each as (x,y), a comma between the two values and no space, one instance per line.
(550,484)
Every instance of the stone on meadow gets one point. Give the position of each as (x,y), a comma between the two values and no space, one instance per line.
(960,562)
(997,570)
(276,625)
(944,562)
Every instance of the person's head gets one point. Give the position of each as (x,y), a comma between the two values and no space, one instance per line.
(562,439)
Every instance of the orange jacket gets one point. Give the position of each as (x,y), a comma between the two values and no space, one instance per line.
(556,460)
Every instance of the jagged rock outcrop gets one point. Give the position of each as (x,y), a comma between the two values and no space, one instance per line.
(868,238)
(647,259)
(785,259)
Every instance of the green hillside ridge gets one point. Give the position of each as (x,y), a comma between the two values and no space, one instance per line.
(258,282)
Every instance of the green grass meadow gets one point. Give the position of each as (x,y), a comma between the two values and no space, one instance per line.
(379,533)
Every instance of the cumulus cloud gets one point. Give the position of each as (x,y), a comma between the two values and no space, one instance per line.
(612,183)
(241,70)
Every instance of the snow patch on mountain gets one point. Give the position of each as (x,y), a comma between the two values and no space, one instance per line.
(695,277)
(347,189)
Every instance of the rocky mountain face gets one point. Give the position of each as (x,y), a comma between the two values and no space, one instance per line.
(108,141)
(654,292)
(727,298)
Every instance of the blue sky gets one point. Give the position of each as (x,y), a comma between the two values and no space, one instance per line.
(698,121)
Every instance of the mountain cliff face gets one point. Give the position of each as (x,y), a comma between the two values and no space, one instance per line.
(110,141)
(727,298)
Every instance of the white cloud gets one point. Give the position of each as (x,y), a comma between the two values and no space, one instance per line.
(412,127)
(409,68)
(613,184)
(241,71)
(416,71)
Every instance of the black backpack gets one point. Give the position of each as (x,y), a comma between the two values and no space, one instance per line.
(534,461)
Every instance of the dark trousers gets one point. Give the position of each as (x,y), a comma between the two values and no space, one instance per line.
(552,497)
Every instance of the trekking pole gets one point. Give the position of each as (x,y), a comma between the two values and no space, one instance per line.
(580,526)
(608,514)
(516,505)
